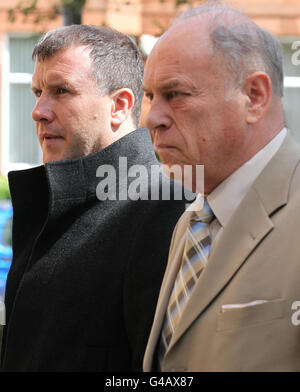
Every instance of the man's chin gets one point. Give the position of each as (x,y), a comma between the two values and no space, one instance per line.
(191,176)
(51,159)
(60,156)
(167,156)
(52,156)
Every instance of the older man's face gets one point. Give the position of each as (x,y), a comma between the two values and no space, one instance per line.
(197,115)
(72,119)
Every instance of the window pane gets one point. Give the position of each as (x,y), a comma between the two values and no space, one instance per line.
(20,54)
(23,144)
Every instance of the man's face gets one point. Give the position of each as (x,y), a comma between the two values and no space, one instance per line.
(197,115)
(72,119)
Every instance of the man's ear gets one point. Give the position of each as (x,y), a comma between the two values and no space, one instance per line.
(258,87)
(122,104)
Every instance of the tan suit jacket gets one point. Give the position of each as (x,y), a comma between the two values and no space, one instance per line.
(257,258)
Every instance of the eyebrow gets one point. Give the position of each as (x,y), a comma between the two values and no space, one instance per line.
(167,86)
(144,88)
(55,84)
(170,85)
(34,88)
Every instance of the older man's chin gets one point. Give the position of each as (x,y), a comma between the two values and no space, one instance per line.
(188,175)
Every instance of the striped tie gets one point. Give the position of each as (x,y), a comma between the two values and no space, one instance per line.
(195,255)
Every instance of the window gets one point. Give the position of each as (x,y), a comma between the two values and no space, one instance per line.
(20,148)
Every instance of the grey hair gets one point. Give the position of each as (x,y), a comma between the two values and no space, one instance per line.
(245,46)
(116,60)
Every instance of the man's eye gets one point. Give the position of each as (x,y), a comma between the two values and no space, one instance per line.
(37,93)
(61,90)
(173,94)
(150,97)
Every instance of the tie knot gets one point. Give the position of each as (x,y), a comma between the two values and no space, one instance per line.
(205,215)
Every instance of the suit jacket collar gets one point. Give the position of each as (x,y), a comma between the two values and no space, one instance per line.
(234,188)
(249,225)
(273,184)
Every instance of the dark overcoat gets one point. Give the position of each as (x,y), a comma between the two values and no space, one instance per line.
(86,273)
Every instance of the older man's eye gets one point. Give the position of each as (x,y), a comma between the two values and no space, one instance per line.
(173,94)
(61,90)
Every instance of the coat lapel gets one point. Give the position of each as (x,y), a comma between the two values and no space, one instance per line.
(244,232)
(249,225)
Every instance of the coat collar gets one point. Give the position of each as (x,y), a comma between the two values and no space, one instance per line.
(61,186)
(77,179)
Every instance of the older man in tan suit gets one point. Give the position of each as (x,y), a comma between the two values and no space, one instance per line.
(214,80)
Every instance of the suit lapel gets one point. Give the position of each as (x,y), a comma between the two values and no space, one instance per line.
(244,232)
(249,225)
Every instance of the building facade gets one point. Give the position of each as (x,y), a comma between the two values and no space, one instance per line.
(143,19)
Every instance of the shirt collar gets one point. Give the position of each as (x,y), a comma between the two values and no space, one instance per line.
(226,197)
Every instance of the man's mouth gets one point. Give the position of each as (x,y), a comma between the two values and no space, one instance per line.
(162,146)
(51,140)
(50,136)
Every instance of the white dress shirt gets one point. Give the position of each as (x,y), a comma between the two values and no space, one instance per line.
(226,197)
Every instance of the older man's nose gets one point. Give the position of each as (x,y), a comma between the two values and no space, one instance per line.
(158,117)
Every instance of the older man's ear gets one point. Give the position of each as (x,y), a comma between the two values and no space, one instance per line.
(258,88)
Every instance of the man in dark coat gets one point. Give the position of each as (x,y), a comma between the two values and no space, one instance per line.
(89,250)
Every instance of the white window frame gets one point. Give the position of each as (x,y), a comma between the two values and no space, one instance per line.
(7,78)
(5,106)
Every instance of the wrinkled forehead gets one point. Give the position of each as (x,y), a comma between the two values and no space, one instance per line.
(184,46)
(187,38)
(73,64)
(70,56)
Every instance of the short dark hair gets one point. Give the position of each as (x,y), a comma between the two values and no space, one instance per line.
(116,59)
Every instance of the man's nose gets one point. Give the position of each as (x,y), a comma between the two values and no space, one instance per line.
(43,110)
(158,117)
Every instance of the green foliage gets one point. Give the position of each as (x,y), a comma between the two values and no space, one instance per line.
(179,2)
(4,188)
(73,5)
(29,8)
